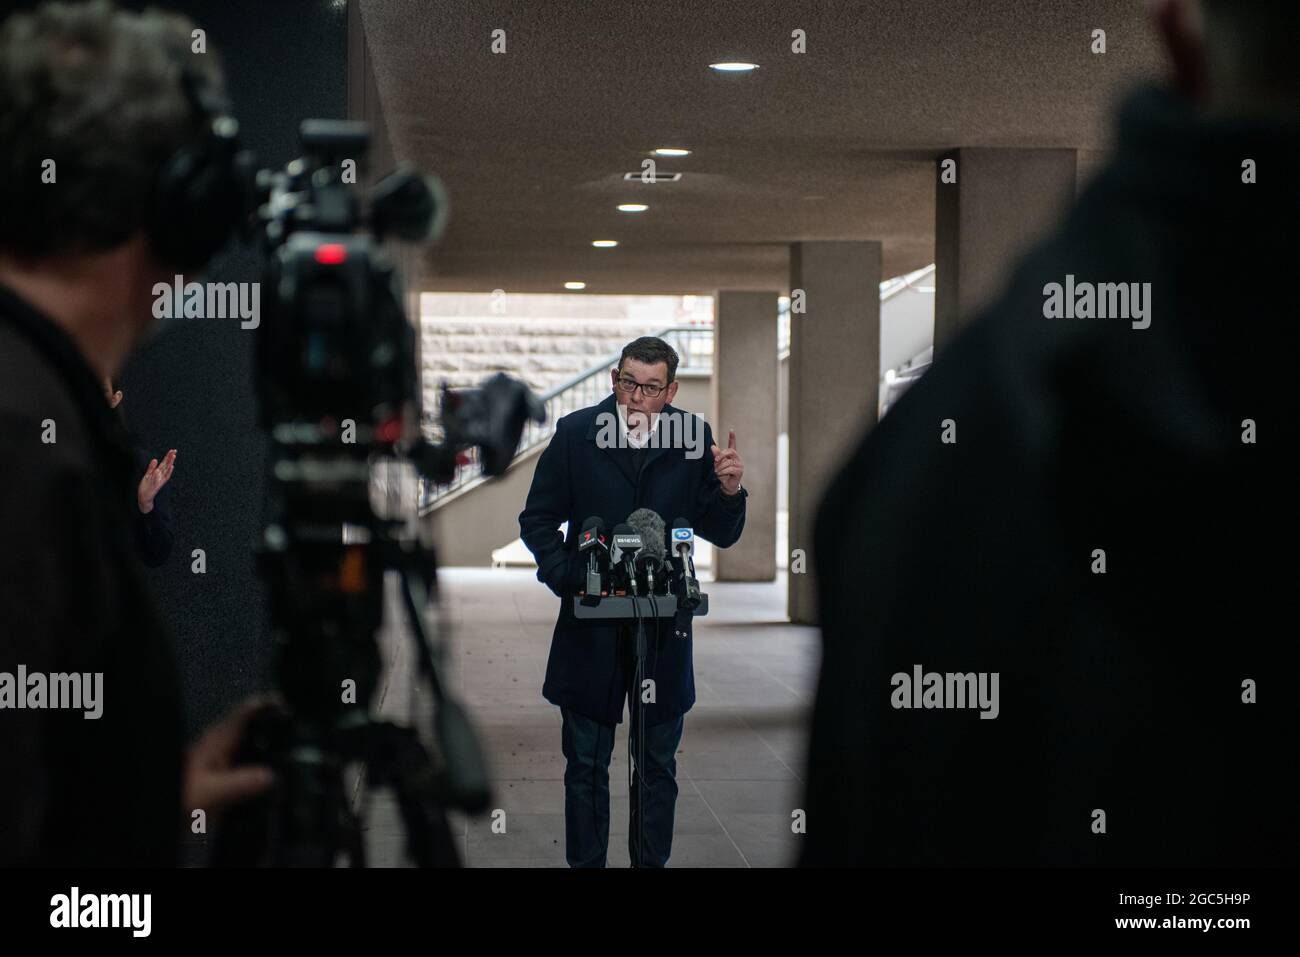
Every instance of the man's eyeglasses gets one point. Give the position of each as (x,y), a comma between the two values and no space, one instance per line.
(649,391)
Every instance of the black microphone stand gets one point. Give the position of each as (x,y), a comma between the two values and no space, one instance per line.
(636,742)
(617,607)
(638,716)
(642,649)
(690,596)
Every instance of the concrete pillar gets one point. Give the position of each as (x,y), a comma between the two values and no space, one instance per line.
(834,384)
(1002,200)
(745,399)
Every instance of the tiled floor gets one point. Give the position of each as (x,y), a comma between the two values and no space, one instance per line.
(740,762)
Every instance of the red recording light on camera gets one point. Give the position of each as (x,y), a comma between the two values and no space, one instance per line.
(331,254)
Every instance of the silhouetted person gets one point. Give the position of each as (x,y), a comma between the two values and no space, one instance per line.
(154,527)
(99,92)
(1108,522)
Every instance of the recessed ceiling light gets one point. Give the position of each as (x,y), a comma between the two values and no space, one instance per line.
(605,243)
(575,285)
(641,176)
(732,67)
(671,151)
(632,207)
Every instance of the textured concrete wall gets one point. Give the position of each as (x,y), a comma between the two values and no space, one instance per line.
(695,394)
(745,386)
(834,373)
(1002,201)
(542,353)
(191,387)
(469,526)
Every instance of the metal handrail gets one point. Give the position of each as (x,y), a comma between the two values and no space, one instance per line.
(577,392)
(899,283)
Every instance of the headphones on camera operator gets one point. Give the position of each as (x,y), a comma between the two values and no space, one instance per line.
(203,191)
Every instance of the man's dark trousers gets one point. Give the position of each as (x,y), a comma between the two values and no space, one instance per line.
(588,746)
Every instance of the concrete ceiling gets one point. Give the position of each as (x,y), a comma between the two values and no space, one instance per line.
(835,143)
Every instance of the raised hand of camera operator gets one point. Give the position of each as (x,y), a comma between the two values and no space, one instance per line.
(155,477)
(212,782)
(728,465)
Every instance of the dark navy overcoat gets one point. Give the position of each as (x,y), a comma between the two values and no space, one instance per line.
(590,662)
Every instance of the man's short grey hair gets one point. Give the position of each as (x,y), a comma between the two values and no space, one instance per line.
(97,90)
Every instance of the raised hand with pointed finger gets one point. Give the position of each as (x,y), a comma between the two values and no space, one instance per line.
(728,465)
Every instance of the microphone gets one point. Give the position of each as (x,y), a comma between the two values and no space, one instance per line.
(627,542)
(648,562)
(684,551)
(593,542)
(651,528)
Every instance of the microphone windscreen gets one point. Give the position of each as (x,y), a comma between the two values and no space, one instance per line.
(683,538)
(616,551)
(651,527)
(593,531)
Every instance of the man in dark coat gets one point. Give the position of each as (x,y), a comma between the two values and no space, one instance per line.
(1099,513)
(593,467)
(152,513)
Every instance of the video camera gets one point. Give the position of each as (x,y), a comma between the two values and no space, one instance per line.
(338,394)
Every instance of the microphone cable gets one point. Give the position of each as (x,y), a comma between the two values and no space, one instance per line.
(636,742)
(654,608)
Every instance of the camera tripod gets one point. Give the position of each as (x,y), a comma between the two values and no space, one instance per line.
(307,820)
